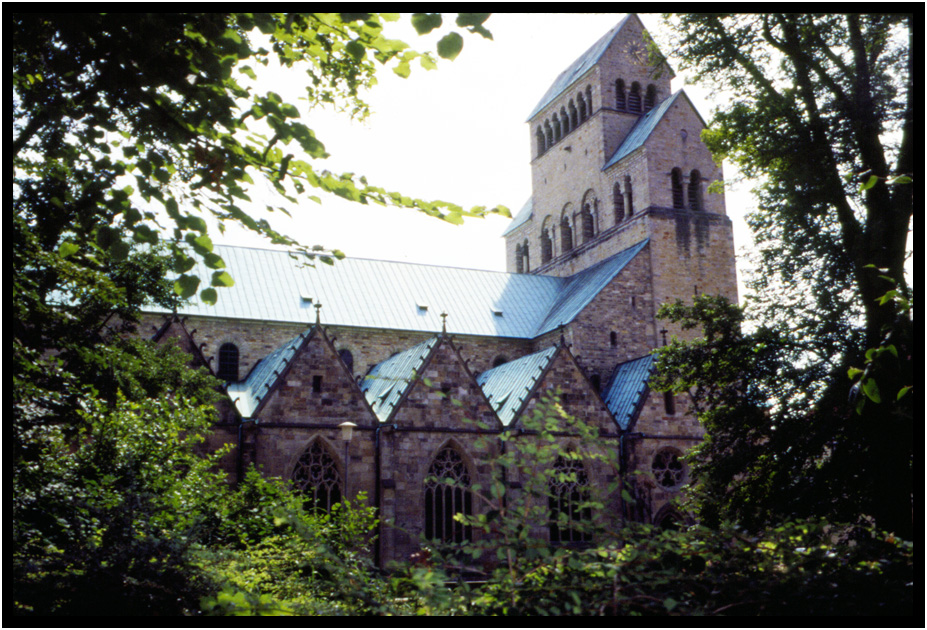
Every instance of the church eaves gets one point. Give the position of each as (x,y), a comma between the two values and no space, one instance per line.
(508,386)
(626,389)
(249,393)
(386,382)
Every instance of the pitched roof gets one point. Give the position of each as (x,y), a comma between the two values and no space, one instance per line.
(645,126)
(386,382)
(249,393)
(273,285)
(578,68)
(627,387)
(507,386)
(521,218)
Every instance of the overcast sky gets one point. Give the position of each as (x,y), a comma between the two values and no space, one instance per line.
(457,133)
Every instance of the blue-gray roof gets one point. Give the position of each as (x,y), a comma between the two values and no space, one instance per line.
(270,285)
(386,382)
(578,68)
(249,393)
(626,389)
(521,218)
(507,386)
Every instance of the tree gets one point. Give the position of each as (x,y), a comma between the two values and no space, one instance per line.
(130,130)
(821,114)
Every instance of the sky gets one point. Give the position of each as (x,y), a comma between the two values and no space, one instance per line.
(459,134)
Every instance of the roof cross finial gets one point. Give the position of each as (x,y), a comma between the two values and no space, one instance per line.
(318,317)
(444,323)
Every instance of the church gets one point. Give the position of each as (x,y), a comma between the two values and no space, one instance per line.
(386,378)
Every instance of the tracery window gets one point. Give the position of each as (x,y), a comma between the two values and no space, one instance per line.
(569,491)
(228,362)
(447,494)
(316,476)
(668,469)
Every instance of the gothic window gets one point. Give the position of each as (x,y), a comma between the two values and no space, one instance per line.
(634,98)
(348,358)
(228,362)
(519,261)
(566,234)
(676,178)
(619,204)
(583,113)
(574,116)
(316,476)
(447,494)
(629,205)
(668,469)
(650,98)
(542,146)
(621,100)
(695,191)
(569,491)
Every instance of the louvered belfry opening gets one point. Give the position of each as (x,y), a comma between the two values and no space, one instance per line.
(447,494)
(569,490)
(316,476)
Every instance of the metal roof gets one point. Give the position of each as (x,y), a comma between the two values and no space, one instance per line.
(273,285)
(386,382)
(641,131)
(578,68)
(507,386)
(521,218)
(248,394)
(626,388)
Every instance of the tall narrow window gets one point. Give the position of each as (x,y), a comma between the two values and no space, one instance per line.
(519,261)
(669,403)
(574,116)
(317,478)
(695,191)
(555,122)
(621,100)
(564,121)
(588,223)
(547,246)
(619,203)
(228,362)
(569,494)
(629,197)
(634,98)
(348,358)
(447,494)
(524,251)
(650,98)
(549,134)
(583,112)
(566,234)
(676,179)
(542,145)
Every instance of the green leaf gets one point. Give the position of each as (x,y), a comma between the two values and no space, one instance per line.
(901,179)
(450,46)
(426,22)
(853,372)
(67,249)
(902,392)
(185,286)
(871,389)
(209,296)
(222,279)
(872,181)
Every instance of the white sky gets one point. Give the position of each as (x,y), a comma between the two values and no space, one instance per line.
(457,133)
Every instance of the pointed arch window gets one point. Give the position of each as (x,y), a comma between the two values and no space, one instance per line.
(316,476)
(447,494)
(228,362)
(570,515)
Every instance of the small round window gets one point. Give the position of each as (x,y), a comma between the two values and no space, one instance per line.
(668,469)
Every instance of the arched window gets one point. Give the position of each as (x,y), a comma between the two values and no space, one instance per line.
(316,476)
(574,116)
(634,98)
(549,133)
(650,98)
(621,99)
(629,197)
(569,492)
(519,261)
(447,494)
(566,234)
(668,469)
(588,223)
(619,204)
(676,178)
(583,113)
(555,122)
(348,358)
(499,360)
(669,403)
(542,145)
(547,243)
(228,362)
(564,121)
(695,191)
(524,252)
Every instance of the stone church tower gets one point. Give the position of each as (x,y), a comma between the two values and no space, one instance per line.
(617,159)
(384,378)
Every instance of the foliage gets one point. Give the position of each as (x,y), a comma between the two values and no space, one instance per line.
(821,114)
